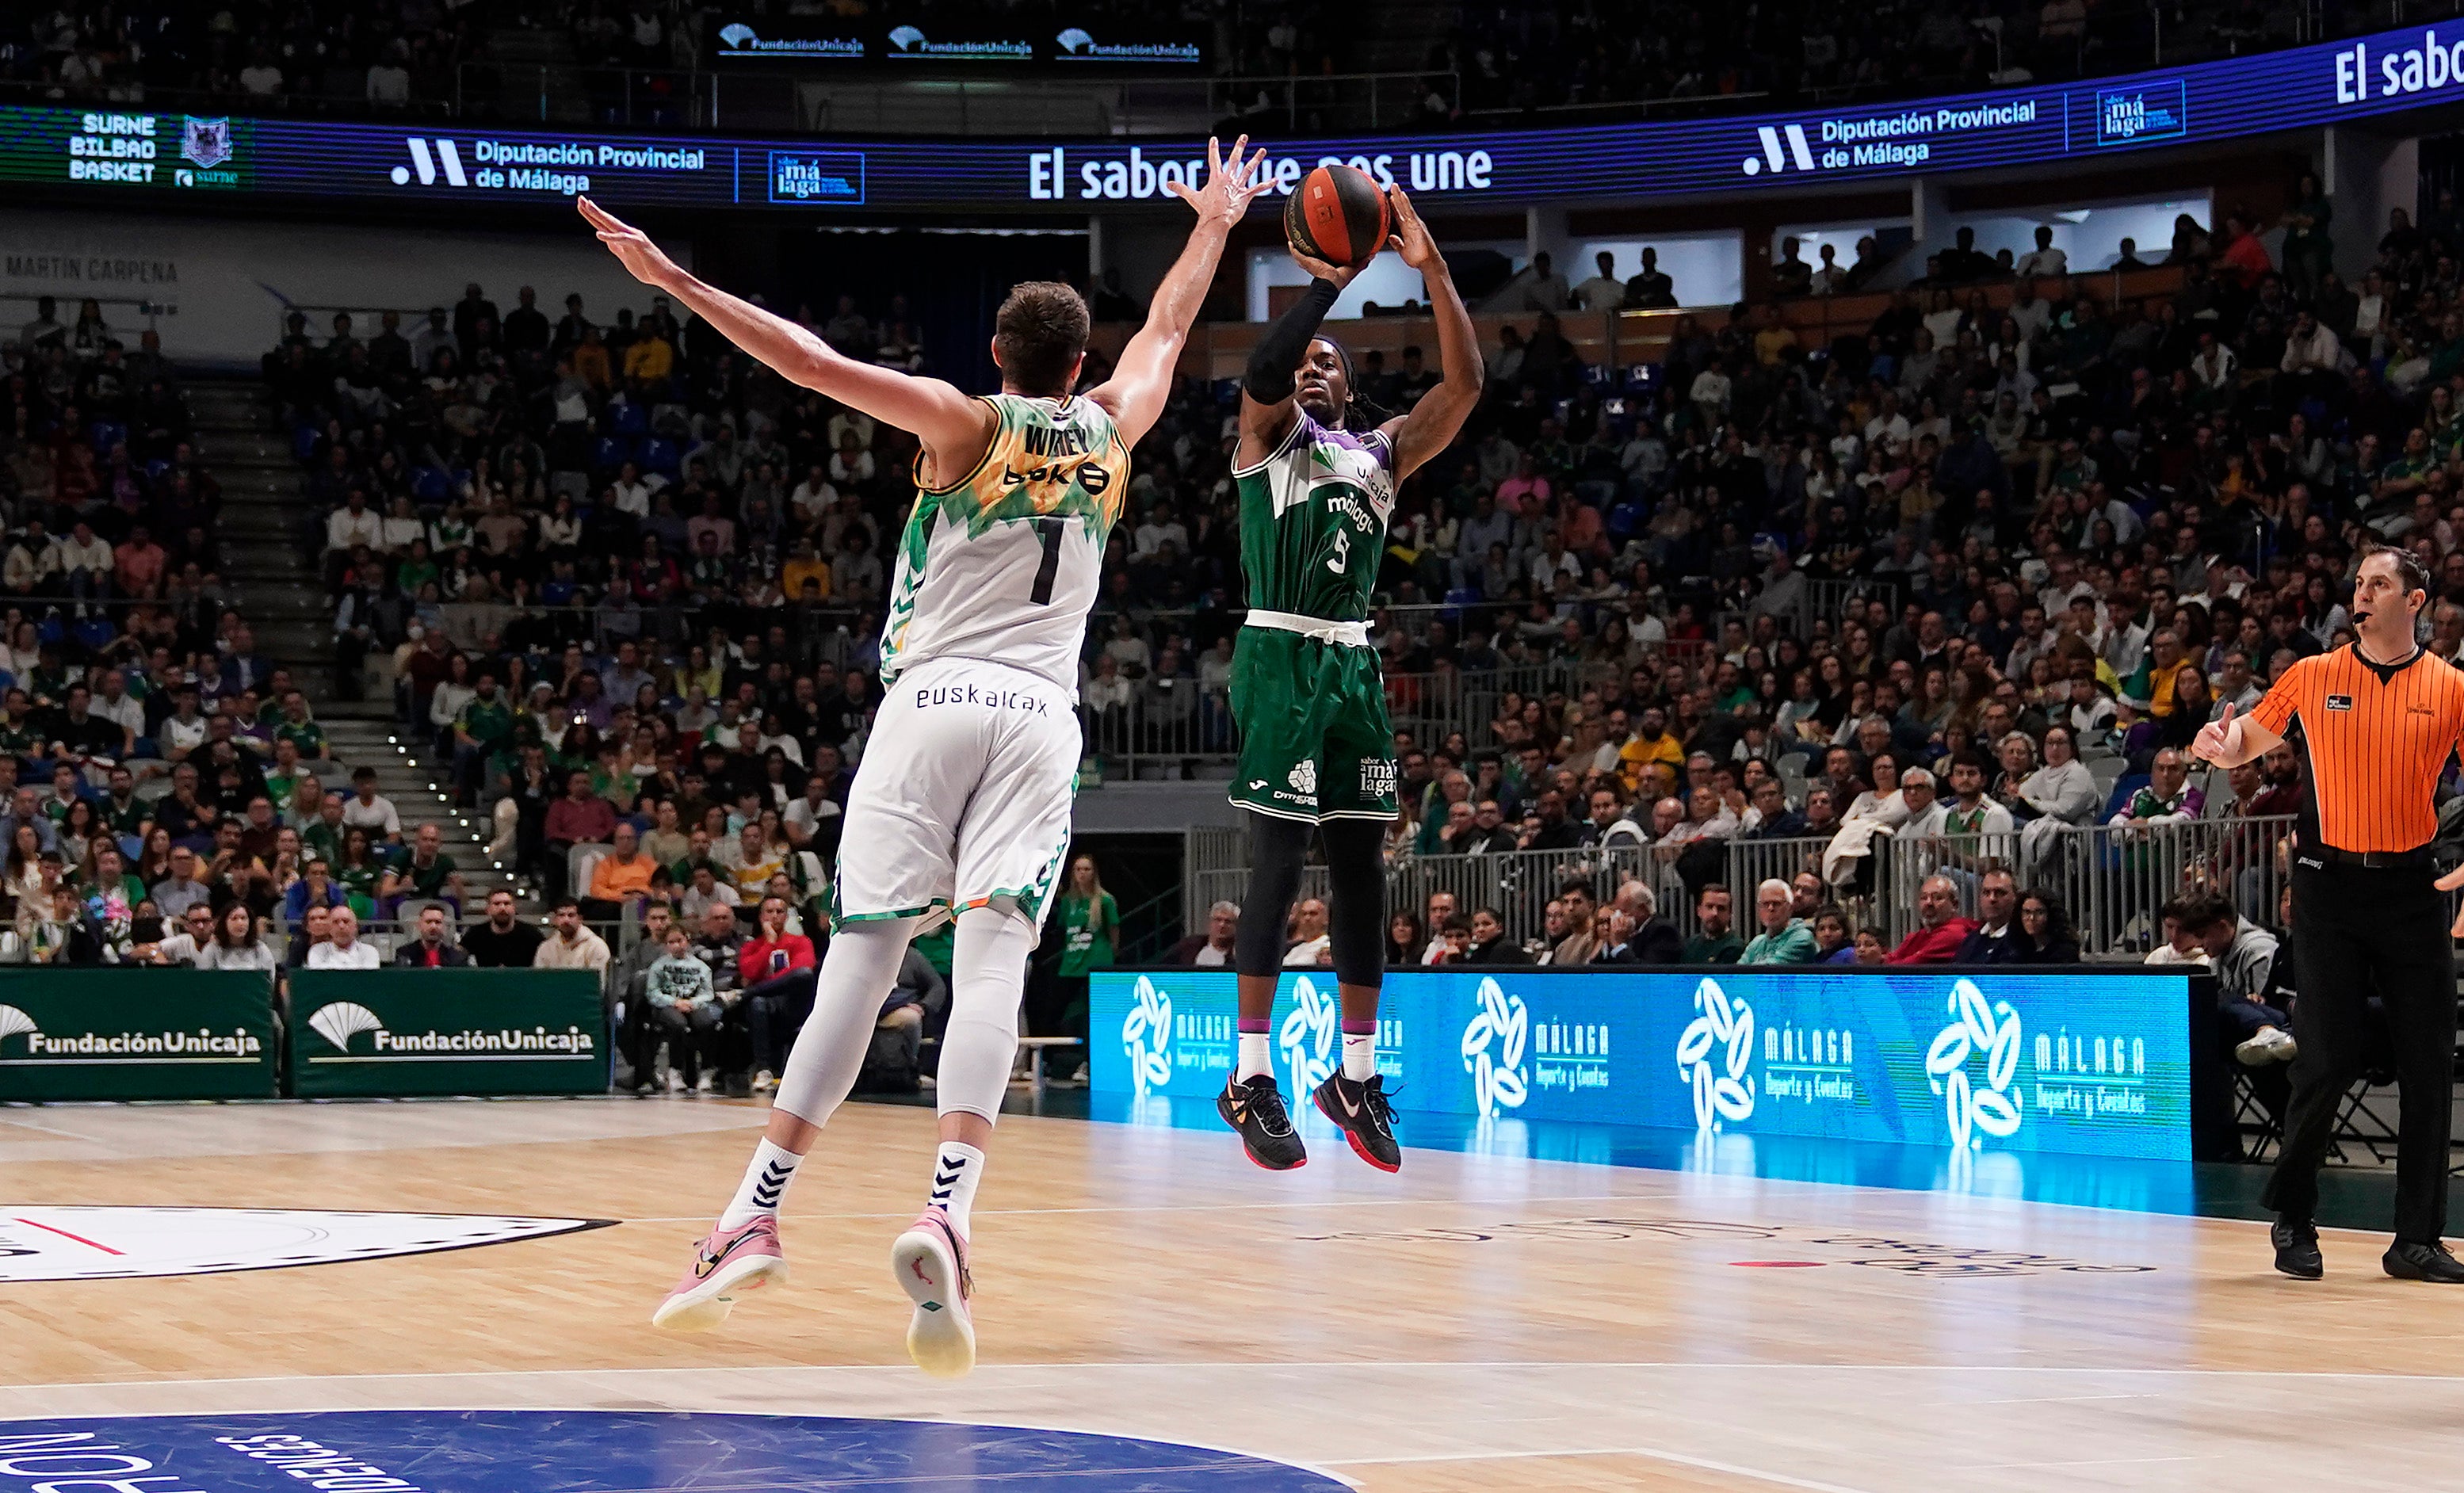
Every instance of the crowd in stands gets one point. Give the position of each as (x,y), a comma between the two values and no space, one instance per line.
(1904,583)
(396,55)
(149,751)
(1511,54)
(379,56)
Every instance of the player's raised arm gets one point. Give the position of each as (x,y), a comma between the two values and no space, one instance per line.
(1142,381)
(1267,410)
(1431,425)
(950,424)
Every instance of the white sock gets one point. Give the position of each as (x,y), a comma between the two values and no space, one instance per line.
(956,1168)
(1360,1055)
(764,1186)
(1255,1059)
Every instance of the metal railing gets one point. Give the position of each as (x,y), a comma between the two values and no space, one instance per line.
(1166,730)
(2112,881)
(1517,886)
(16,312)
(2111,878)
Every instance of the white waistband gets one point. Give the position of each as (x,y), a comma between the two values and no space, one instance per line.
(1354,634)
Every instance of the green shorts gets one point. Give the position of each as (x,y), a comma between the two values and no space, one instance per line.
(1315,742)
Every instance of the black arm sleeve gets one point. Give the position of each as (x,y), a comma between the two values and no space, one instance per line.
(1270,377)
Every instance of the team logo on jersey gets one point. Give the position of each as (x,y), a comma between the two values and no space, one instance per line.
(1303,778)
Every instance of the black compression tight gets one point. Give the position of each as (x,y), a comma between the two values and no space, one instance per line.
(1355,901)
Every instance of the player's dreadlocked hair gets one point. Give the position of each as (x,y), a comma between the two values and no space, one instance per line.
(1037,335)
(1359,411)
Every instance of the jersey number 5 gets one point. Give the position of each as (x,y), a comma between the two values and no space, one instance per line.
(1342,551)
(1049,531)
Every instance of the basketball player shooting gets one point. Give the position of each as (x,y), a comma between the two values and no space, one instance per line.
(960,807)
(1317,753)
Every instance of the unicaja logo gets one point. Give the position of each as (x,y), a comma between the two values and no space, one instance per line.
(1976,1109)
(14,1022)
(1075,40)
(1493,1045)
(1303,777)
(738,34)
(1713,1054)
(1145,1036)
(338,1023)
(906,38)
(1308,1035)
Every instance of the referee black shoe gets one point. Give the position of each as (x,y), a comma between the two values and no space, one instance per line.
(2428,1261)
(2296,1249)
(1367,1119)
(1256,1110)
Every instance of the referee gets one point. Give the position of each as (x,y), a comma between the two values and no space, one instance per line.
(2378,720)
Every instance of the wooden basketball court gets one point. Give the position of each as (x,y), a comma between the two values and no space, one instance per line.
(1478,1322)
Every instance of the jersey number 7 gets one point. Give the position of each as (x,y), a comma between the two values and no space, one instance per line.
(1049,531)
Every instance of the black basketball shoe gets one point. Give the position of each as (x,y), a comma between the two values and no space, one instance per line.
(2296,1249)
(2418,1261)
(1367,1119)
(1256,1110)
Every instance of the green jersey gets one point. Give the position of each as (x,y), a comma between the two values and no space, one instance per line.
(1003,563)
(1090,933)
(1313,521)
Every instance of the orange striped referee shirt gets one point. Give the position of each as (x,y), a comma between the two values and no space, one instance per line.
(2374,740)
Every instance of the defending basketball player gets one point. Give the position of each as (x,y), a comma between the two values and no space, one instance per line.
(1316,485)
(961,805)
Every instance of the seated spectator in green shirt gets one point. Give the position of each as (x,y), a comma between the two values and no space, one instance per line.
(299,729)
(1785,939)
(1717,941)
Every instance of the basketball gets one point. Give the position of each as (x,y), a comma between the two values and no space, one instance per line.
(1337,214)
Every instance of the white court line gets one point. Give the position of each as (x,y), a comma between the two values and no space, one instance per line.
(48,1130)
(1221,1207)
(1251,1365)
(2103,1461)
(2034,1400)
(1657,1454)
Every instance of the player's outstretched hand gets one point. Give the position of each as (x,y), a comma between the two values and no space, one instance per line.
(2214,742)
(632,248)
(1411,239)
(1230,183)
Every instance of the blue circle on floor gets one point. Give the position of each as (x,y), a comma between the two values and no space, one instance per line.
(599,1451)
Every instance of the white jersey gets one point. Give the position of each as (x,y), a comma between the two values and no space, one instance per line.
(1003,564)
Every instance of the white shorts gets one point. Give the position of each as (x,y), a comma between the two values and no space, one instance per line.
(963,797)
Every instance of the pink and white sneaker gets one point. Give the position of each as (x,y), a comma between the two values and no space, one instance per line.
(727,1263)
(931,1263)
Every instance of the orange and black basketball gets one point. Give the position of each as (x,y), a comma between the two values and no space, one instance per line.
(1337,214)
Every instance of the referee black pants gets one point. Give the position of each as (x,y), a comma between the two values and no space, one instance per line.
(2359,932)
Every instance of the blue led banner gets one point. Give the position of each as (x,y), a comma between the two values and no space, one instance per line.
(142,154)
(2079,1064)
